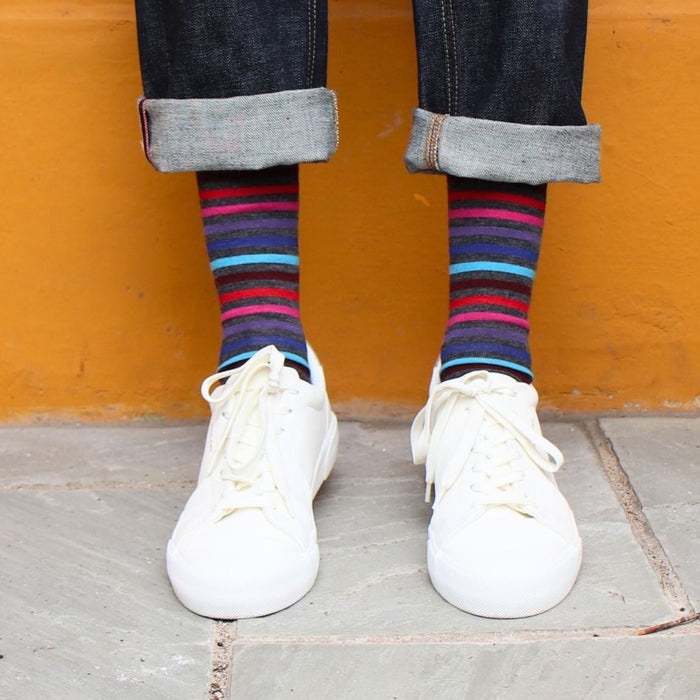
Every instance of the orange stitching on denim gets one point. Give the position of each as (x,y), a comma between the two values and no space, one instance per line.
(336,119)
(454,49)
(308,42)
(313,55)
(447,57)
(432,141)
(144,127)
(311,15)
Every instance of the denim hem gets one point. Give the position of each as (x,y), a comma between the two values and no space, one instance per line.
(503,151)
(250,132)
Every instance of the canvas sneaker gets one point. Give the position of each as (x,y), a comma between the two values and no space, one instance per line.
(502,540)
(245,543)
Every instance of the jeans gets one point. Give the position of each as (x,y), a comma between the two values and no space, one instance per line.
(241,84)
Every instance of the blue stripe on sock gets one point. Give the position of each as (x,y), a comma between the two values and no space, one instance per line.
(237,358)
(245,242)
(297,358)
(488,361)
(487,266)
(495,250)
(255,259)
(247,355)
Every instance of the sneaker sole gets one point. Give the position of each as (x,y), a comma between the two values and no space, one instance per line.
(504,599)
(220,600)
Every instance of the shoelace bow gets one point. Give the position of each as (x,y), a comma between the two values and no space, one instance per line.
(489,432)
(239,449)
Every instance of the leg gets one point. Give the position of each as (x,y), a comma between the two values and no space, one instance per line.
(234,90)
(500,96)
(235,127)
(500,114)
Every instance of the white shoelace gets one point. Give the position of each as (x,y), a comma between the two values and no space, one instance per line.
(492,437)
(252,397)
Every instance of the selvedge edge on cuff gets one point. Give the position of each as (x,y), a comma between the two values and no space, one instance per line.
(503,151)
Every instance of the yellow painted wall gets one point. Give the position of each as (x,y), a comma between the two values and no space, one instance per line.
(107,309)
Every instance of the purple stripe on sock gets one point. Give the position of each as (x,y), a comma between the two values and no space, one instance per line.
(252,242)
(480,330)
(259,324)
(494,349)
(278,341)
(251,225)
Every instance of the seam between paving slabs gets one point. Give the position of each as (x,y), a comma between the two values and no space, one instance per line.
(221,667)
(100,486)
(669,581)
(475,638)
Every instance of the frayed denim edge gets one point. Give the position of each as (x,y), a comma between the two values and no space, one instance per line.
(240,133)
(503,151)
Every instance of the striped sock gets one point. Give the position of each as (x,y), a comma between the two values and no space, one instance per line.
(251,230)
(495,233)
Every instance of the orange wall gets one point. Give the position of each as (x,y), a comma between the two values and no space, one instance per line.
(107,309)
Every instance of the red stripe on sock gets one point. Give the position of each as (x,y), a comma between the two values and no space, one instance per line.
(248,191)
(494,301)
(498,197)
(259,292)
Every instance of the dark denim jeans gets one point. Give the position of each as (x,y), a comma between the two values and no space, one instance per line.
(235,84)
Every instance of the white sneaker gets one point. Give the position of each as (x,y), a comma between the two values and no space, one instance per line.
(245,543)
(502,540)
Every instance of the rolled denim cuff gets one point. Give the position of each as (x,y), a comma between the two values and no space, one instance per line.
(503,151)
(239,133)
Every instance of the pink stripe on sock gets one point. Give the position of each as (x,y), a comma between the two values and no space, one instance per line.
(228,297)
(502,214)
(486,316)
(260,309)
(256,206)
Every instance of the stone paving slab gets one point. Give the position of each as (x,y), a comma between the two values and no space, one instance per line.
(678,529)
(661,456)
(578,669)
(85,606)
(88,454)
(86,610)
(372,526)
